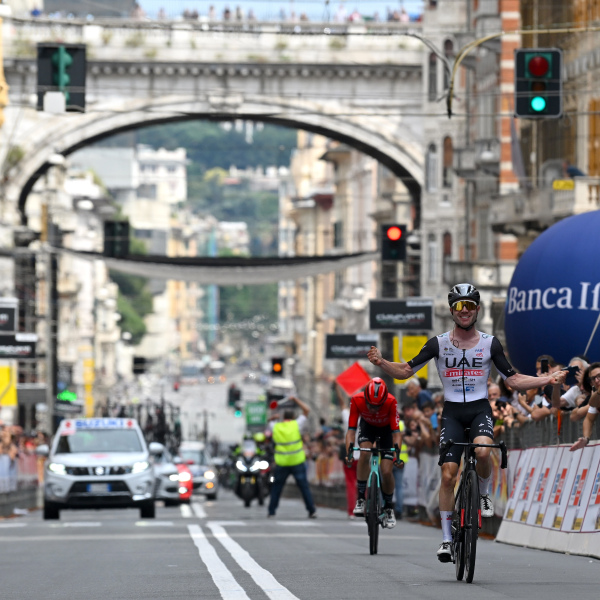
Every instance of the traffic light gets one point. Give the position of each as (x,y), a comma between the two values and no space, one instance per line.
(116,239)
(62,68)
(139,365)
(538,83)
(238,410)
(277,367)
(393,242)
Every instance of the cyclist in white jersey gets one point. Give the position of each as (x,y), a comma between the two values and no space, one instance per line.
(464,358)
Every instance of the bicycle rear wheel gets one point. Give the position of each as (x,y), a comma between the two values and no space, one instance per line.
(373,510)
(458,535)
(471,523)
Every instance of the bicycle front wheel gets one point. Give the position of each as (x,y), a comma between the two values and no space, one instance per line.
(471,523)
(373,510)
(458,535)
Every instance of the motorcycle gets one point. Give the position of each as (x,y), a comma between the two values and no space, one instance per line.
(252,475)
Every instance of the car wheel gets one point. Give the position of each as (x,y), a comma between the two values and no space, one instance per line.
(148,511)
(51,512)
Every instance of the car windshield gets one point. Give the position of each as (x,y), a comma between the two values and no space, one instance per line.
(196,456)
(100,440)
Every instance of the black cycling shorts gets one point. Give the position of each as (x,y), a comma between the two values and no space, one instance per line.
(369,433)
(456,416)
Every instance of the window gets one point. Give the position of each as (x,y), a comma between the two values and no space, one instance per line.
(147,190)
(449,54)
(448,172)
(431,167)
(432,92)
(338,239)
(431,257)
(447,245)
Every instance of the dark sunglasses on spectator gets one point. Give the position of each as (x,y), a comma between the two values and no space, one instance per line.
(594,377)
(464,303)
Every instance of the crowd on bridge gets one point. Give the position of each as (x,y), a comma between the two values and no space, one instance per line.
(237,14)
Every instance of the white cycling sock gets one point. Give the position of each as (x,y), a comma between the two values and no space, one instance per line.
(446,525)
(484,485)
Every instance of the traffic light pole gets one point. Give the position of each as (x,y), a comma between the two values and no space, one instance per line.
(475,43)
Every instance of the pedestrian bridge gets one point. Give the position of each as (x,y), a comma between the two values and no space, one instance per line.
(360,84)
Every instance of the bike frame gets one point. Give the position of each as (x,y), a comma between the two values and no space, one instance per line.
(465,531)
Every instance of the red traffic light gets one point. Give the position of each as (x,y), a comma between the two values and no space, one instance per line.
(273,404)
(394,233)
(538,66)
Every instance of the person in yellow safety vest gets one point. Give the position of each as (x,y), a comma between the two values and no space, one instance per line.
(290,458)
(398,477)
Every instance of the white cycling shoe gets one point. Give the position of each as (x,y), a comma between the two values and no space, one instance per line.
(486,506)
(444,552)
(389,518)
(359,509)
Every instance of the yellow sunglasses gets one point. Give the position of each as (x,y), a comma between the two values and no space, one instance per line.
(464,304)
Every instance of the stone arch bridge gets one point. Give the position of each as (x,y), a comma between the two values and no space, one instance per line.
(362,88)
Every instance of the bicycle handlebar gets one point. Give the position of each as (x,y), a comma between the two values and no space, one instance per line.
(380,450)
(445,447)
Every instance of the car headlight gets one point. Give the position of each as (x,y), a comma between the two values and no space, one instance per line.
(240,466)
(174,477)
(209,474)
(57,468)
(141,466)
(185,476)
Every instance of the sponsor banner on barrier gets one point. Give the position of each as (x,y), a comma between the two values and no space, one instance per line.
(587,504)
(545,471)
(520,474)
(561,487)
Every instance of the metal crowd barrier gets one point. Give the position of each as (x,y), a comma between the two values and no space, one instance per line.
(18,474)
(546,433)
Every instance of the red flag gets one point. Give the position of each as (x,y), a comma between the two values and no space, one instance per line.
(353,379)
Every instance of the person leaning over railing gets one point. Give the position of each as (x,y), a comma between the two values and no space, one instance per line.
(582,402)
(592,412)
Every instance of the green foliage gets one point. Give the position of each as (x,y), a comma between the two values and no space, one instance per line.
(131,320)
(240,303)
(135,300)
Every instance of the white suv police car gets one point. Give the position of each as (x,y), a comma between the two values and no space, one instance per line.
(99,463)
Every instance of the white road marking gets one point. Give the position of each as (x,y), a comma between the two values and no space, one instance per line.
(296,524)
(154,523)
(198,510)
(11,525)
(81,524)
(229,588)
(272,588)
(186,511)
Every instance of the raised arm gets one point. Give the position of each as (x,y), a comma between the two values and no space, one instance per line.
(404,370)
(588,422)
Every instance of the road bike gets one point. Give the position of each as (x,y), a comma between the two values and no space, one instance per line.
(466,520)
(374,513)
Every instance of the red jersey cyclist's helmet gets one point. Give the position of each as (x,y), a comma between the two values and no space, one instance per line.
(376,392)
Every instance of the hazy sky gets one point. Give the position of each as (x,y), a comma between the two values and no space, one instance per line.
(316,10)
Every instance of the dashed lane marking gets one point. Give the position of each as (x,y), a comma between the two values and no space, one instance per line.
(198,510)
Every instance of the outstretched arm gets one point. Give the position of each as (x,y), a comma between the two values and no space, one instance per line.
(397,370)
(521,382)
(588,422)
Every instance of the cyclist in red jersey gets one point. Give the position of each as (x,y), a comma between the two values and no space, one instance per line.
(378,412)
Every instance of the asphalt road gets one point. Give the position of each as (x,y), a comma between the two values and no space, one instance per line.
(219,549)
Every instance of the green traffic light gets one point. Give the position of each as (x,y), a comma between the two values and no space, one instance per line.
(237,413)
(61,61)
(538,104)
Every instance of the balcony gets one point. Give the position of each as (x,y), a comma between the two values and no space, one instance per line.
(489,275)
(523,212)
(465,162)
